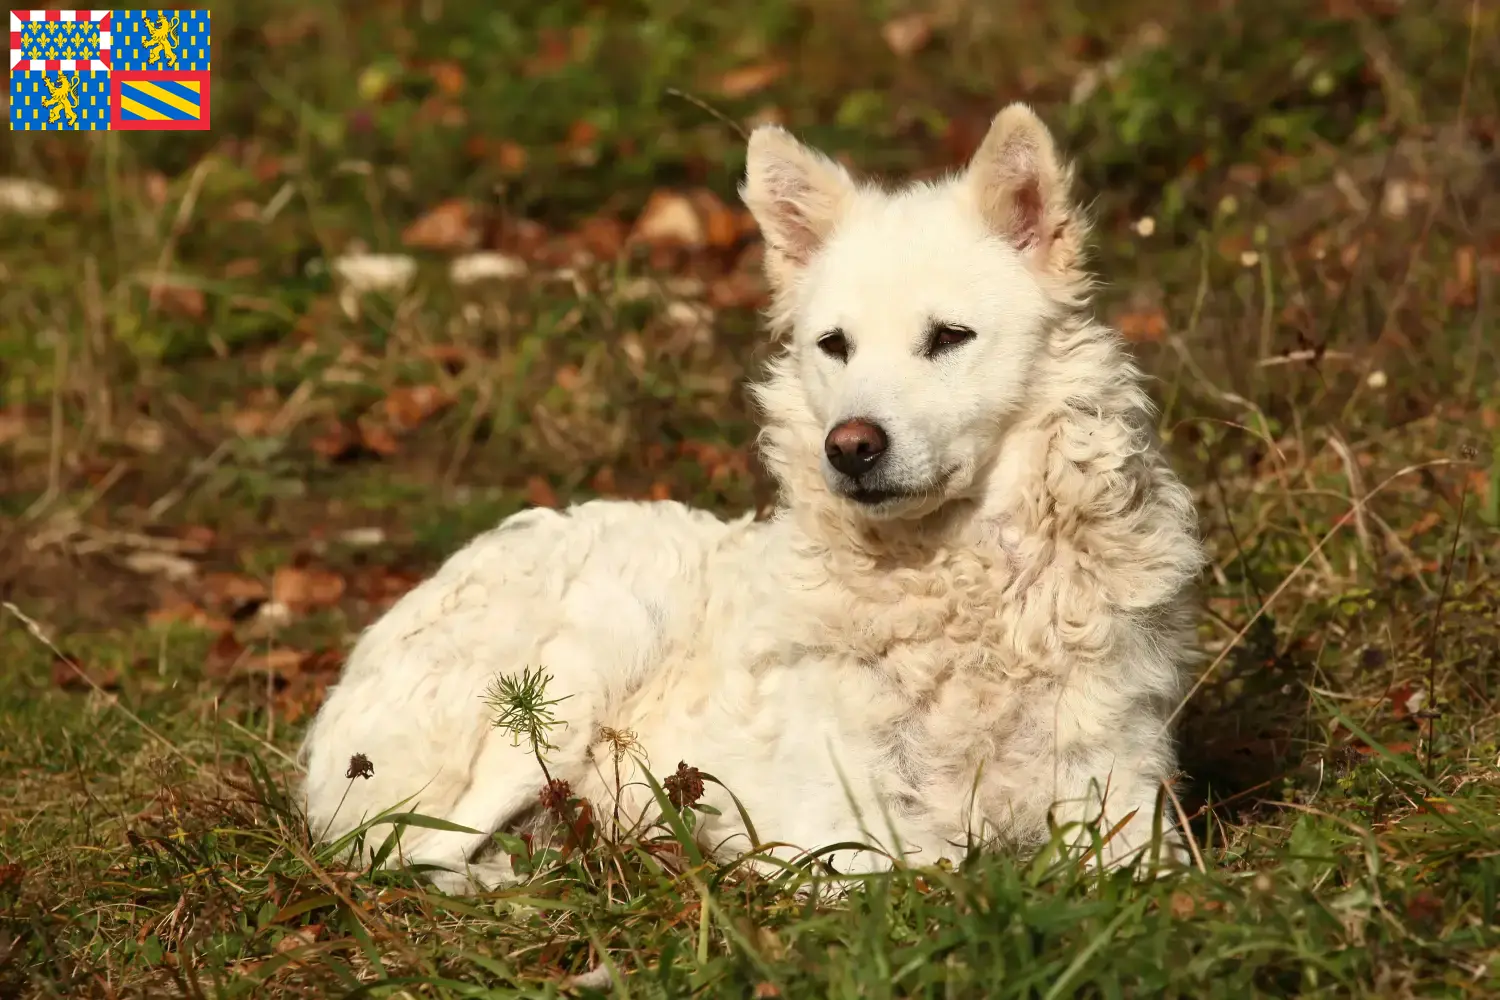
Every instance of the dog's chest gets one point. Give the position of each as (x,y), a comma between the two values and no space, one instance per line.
(933,727)
(955,663)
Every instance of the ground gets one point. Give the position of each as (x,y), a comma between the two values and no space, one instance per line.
(220,461)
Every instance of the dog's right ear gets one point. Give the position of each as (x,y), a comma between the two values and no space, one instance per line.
(796,195)
(1021,187)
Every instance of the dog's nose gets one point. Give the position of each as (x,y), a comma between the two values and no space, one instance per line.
(855,446)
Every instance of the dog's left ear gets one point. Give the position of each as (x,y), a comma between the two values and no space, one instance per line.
(1022,189)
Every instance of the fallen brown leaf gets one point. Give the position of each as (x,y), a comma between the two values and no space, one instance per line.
(437,109)
(70,677)
(382,586)
(329,661)
(602,236)
(449,77)
(539,493)
(1232,245)
(180,611)
(320,313)
(1406,699)
(231,589)
(306,588)
(511,156)
(1424,907)
(242,267)
(198,538)
(283,662)
(1185,904)
(302,694)
(451,225)
(251,422)
(554,51)
(179,300)
(1479,485)
(582,143)
(669,219)
(582,133)
(1431,519)
(525,237)
(299,938)
(908,34)
(12,423)
(341,443)
(752,79)
(604,483)
(721,224)
(962,137)
(378,438)
(1460,289)
(145,435)
(738,289)
(223,654)
(719,463)
(336,443)
(1147,325)
(1400,746)
(408,407)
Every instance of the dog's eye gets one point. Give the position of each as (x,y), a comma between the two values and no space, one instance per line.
(834,345)
(946,336)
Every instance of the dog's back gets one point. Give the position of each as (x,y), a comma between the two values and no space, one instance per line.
(588,596)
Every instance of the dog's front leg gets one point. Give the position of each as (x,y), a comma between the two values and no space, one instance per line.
(1126,807)
(505,781)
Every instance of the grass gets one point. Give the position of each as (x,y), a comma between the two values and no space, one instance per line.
(220,466)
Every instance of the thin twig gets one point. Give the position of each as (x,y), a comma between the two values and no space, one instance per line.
(179,226)
(710,109)
(1187,832)
(1437,623)
(36,631)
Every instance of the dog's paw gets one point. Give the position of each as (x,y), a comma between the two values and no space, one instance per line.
(482,875)
(451,883)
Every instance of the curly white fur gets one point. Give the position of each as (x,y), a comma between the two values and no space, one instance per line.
(995,647)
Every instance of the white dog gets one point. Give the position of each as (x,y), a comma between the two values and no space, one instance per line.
(966,622)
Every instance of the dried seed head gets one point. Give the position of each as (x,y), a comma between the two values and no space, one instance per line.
(621,741)
(1345,759)
(555,795)
(360,767)
(165,768)
(685,787)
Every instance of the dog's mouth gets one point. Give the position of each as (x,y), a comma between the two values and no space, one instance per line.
(872,497)
(880,499)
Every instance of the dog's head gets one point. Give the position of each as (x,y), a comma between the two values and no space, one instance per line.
(913,318)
